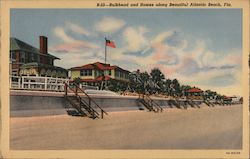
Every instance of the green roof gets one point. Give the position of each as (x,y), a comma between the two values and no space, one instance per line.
(16,44)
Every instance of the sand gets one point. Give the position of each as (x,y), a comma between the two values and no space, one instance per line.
(217,127)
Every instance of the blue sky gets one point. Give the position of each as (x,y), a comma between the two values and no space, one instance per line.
(201,47)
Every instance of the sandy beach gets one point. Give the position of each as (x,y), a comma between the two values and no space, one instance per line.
(218,127)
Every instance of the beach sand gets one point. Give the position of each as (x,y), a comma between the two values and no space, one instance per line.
(218,127)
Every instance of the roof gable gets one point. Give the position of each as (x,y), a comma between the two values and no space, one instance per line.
(16,44)
(98,66)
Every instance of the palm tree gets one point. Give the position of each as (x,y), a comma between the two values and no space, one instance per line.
(166,86)
(210,94)
(176,87)
(145,82)
(158,78)
(135,81)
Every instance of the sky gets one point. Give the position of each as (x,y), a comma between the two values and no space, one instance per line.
(199,47)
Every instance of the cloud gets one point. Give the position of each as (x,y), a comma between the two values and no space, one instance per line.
(197,65)
(69,44)
(135,38)
(76,59)
(61,34)
(191,62)
(76,28)
(162,37)
(109,25)
(74,46)
(215,79)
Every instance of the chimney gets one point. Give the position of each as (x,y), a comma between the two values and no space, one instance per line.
(43,45)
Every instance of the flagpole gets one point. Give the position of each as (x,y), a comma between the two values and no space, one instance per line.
(105,51)
(105,63)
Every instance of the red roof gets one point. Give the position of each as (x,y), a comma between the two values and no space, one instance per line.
(98,65)
(101,66)
(194,90)
(226,97)
(100,78)
(88,66)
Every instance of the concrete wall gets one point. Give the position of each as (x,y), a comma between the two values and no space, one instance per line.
(37,103)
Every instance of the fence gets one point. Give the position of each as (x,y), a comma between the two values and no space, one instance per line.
(41,83)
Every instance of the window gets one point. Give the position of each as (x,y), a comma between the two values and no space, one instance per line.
(116,73)
(98,73)
(22,56)
(86,72)
(13,55)
(110,72)
(31,57)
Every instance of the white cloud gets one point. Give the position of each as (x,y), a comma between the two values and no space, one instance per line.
(197,66)
(76,28)
(76,59)
(208,58)
(205,66)
(161,37)
(109,25)
(213,80)
(75,46)
(135,38)
(61,34)
(69,44)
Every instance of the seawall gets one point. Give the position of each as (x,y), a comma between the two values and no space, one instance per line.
(34,103)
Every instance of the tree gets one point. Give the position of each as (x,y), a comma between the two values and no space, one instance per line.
(135,81)
(145,80)
(157,78)
(210,94)
(184,88)
(176,87)
(166,86)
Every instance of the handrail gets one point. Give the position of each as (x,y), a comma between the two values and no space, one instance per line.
(151,102)
(158,106)
(90,98)
(82,101)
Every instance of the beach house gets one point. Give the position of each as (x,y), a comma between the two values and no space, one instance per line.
(26,60)
(95,73)
(194,93)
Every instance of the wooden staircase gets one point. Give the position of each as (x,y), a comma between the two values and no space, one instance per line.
(83,105)
(208,103)
(149,103)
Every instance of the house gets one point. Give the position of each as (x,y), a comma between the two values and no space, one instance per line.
(27,60)
(194,93)
(236,99)
(95,74)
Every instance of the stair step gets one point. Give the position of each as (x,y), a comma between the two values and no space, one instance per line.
(79,104)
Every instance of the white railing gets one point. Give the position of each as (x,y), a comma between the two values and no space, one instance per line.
(42,83)
(37,83)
